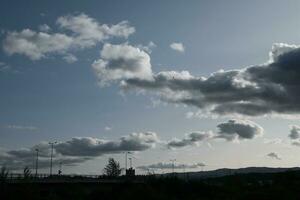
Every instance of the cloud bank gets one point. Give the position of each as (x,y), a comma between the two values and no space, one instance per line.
(76,150)
(161,165)
(269,88)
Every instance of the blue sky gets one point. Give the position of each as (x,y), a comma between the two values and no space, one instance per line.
(50,98)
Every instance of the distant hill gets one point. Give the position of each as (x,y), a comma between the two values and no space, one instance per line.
(228,172)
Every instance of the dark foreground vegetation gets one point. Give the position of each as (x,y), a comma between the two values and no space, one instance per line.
(285,185)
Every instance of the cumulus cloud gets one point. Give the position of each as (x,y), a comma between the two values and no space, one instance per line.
(294,132)
(177,46)
(36,45)
(266,89)
(87,31)
(77,150)
(80,31)
(161,165)
(274,155)
(190,139)
(122,62)
(237,129)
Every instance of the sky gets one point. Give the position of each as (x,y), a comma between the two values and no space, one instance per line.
(212,84)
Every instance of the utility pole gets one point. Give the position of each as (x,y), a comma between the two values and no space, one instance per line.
(60,168)
(51,143)
(126,158)
(36,162)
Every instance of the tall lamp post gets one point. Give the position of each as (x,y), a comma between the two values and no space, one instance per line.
(36,162)
(51,156)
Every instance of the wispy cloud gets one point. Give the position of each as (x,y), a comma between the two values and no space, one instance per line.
(177,46)
(22,127)
(274,155)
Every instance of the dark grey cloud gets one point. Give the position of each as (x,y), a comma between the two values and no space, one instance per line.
(274,155)
(296,143)
(236,129)
(87,146)
(161,165)
(189,139)
(268,88)
(294,132)
(18,159)
(76,150)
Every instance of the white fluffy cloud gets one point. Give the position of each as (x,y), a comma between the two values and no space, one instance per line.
(36,45)
(120,62)
(80,31)
(177,46)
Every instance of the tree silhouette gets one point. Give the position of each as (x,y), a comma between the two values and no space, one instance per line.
(4,174)
(26,173)
(112,169)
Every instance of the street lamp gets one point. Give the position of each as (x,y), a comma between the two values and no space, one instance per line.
(52,144)
(36,162)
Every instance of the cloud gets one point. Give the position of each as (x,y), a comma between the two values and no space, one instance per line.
(80,32)
(107,128)
(20,158)
(147,48)
(87,146)
(236,129)
(161,165)
(273,141)
(190,139)
(294,132)
(70,58)
(76,150)
(122,62)
(4,67)
(274,155)
(177,46)
(36,45)
(44,28)
(22,127)
(296,143)
(87,31)
(266,89)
